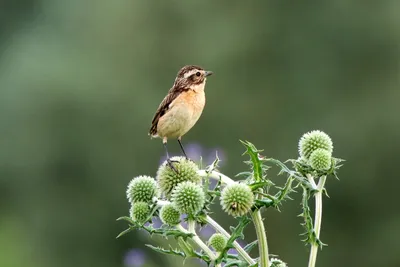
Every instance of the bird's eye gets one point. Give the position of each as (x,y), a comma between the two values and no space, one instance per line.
(198,73)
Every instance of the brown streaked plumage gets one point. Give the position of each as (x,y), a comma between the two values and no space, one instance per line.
(181,107)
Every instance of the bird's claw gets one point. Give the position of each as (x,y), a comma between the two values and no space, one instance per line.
(171,165)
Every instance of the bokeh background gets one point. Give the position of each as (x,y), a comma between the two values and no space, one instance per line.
(80,81)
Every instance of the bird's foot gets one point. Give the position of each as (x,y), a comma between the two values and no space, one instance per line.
(188,159)
(171,165)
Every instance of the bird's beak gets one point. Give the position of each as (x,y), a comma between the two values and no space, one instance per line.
(208,73)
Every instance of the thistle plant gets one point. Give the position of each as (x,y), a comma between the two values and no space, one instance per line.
(186,194)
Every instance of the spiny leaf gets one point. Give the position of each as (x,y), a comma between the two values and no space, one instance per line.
(250,246)
(167,251)
(285,191)
(214,165)
(238,263)
(246,174)
(124,232)
(255,160)
(237,232)
(259,203)
(127,219)
(257,185)
(285,169)
(311,237)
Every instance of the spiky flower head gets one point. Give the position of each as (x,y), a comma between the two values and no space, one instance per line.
(142,188)
(237,199)
(188,197)
(139,211)
(320,160)
(313,140)
(168,178)
(274,262)
(217,241)
(170,215)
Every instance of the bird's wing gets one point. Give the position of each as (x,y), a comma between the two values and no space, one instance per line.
(163,108)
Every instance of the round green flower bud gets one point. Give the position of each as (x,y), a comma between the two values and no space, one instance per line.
(274,262)
(188,197)
(320,160)
(139,211)
(237,199)
(218,242)
(186,170)
(170,215)
(141,188)
(313,140)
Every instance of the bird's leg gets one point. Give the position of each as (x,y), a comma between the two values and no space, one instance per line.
(168,159)
(183,150)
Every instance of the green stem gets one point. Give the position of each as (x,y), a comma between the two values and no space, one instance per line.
(262,238)
(217,176)
(184,246)
(236,245)
(197,240)
(318,217)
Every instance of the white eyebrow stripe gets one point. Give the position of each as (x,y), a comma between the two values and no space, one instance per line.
(188,74)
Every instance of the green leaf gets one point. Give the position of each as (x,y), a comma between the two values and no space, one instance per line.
(255,160)
(238,263)
(285,191)
(246,174)
(250,246)
(167,251)
(214,165)
(127,219)
(236,232)
(125,232)
(257,185)
(259,203)
(311,237)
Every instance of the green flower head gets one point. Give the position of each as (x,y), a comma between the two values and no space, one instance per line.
(188,197)
(237,199)
(218,242)
(142,188)
(320,160)
(186,170)
(170,215)
(312,141)
(140,211)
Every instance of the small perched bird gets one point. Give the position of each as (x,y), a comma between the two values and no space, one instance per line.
(181,107)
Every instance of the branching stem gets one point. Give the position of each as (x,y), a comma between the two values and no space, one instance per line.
(197,239)
(236,245)
(216,175)
(318,217)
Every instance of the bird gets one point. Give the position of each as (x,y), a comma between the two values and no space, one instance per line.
(181,108)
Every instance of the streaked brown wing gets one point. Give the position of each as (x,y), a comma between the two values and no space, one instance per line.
(164,106)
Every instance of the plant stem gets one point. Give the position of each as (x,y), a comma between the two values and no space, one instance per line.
(216,175)
(262,238)
(236,245)
(318,217)
(184,246)
(197,239)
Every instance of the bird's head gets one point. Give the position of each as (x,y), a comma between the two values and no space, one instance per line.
(192,76)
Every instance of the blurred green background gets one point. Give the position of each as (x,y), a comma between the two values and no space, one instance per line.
(81,80)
